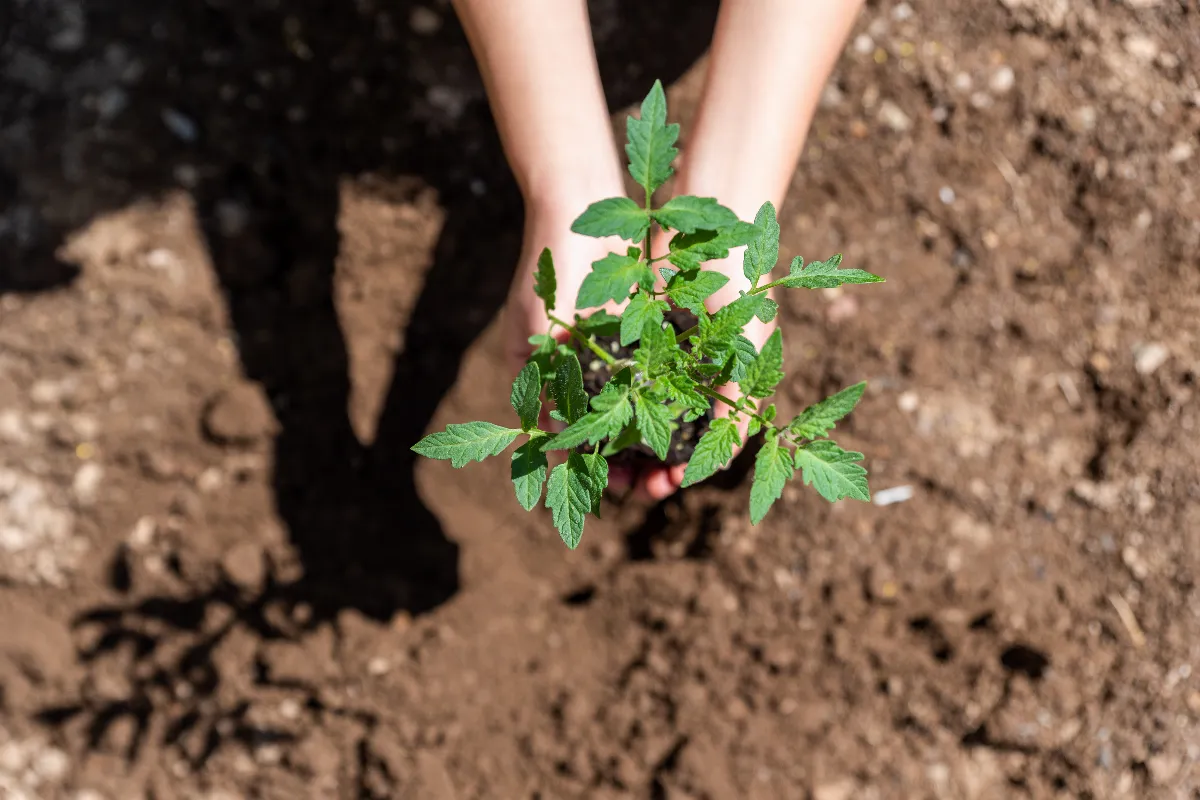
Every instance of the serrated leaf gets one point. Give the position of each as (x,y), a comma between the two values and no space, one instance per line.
(641,311)
(819,419)
(651,147)
(526,396)
(570,496)
(752,428)
(611,411)
(773,468)
(713,451)
(597,469)
(655,350)
(717,334)
(616,216)
(612,278)
(655,422)
(601,323)
(543,353)
(690,289)
(824,275)
(529,472)
(626,438)
(466,442)
(570,398)
(741,356)
(766,371)
(767,309)
(835,473)
(688,214)
(544,282)
(762,253)
(667,273)
(682,389)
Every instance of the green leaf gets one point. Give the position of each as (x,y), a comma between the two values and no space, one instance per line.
(667,273)
(651,147)
(713,451)
(642,310)
(688,214)
(466,442)
(616,216)
(544,282)
(717,333)
(689,250)
(570,495)
(570,398)
(690,289)
(655,422)
(824,275)
(611,411)
(656,350)
(627,438)
(773,468)
(682,390)
(544,347)
(612,278)
(741,355)
(819,418)
(601,323)
(526,397)
(767,309)
(752,428)
(834,472)
(765,371)
(597,469)
(529,472)
(762,253)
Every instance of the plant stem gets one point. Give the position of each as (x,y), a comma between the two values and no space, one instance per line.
(715,395)
(585,341)
(689,333)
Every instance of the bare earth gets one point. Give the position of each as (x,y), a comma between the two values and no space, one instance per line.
(251,251)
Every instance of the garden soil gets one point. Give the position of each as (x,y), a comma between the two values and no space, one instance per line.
(251,251)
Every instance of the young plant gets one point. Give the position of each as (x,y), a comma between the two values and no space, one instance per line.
(669,377)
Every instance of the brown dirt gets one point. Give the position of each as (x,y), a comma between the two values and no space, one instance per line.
(248,250)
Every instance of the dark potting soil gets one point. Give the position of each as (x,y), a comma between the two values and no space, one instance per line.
(596,374)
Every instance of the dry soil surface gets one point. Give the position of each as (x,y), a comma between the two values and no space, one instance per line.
(251,250)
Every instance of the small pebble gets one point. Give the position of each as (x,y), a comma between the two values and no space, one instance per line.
(908,402)
(897,494)
(894,117)
(378,666)
(946,195)
(1143,48)
(86,484)
(424,21)
(902,12)
(1181,152)
(1002,80)
(181,125)
(1148,358)
(863,44)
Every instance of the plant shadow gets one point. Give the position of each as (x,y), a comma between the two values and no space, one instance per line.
(260,110)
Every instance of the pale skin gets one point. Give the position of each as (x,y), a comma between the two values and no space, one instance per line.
(768,63)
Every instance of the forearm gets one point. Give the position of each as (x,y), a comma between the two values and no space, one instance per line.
(769,62)
(539,69)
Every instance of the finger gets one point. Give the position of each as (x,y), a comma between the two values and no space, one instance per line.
(620,479)
(657,484)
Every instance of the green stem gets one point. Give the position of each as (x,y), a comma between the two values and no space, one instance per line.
(715,395)
(585,341)
(689,333)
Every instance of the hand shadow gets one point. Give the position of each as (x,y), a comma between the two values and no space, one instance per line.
(261,109)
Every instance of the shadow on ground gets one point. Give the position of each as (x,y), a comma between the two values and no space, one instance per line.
(259,109)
